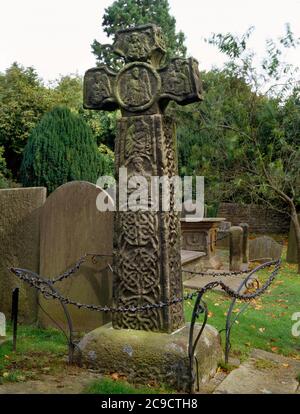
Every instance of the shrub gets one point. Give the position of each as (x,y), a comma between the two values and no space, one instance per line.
(61,148)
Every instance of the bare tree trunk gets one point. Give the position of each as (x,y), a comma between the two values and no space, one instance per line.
(296,225)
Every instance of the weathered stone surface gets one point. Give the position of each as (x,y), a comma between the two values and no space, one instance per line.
(149,356)
(19,246)
(147,243)
(2,326)
(223,235)
(193,261)
(200,235)
(236,248)
(245,227)
(264,248)
(147,266)
(263,373)
(71,226)
(292,255)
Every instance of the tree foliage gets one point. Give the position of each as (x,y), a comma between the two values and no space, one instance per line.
(23,100)
(126,13)
(3,170)
(61,148)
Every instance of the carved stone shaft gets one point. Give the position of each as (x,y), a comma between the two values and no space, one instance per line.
(147,243)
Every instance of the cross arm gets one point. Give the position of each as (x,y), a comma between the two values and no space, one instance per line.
(98,89)
(181,82)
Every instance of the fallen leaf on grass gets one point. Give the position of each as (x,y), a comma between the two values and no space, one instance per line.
(285,365)
(262,330)
(274,348)
(210,315)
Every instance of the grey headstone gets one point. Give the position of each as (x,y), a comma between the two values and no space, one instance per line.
(19,246)
(264,248)
(2,325)
(245,227)
(223,235)
(236,248)
(71,225)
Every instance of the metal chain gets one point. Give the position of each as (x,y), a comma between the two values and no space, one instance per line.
(84,258)
(35,281)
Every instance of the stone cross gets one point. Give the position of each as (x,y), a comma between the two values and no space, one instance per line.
(147,264)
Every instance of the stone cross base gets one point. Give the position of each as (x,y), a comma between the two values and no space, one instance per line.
(145,357)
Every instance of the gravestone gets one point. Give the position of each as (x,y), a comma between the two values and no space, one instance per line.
(245,227)
(19,246)
(264,249)
(147,265)
(71,226)
(2,326)
(236,249)
(292,255)
(223,235)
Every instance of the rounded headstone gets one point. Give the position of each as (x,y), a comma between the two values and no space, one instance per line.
(71,226)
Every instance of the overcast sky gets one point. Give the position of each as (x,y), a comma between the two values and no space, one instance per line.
(54,36)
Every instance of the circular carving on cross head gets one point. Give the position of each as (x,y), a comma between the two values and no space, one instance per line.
(137,87)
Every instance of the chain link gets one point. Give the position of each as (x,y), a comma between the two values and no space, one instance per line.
(44,286)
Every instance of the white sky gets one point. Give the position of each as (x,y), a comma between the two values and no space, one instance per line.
(54,36)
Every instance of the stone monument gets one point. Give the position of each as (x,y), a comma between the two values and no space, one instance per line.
(147,264)
(147,243)
(2,326)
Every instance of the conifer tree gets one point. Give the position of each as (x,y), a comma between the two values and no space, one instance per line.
(61,148)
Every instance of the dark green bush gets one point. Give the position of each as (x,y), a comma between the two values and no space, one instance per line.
(61,148)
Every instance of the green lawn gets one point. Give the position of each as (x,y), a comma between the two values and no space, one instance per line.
(109,386)
(266,324)
(39,351)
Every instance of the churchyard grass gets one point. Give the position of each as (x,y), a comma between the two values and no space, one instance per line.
(110,386)
(39,351)
(267,322)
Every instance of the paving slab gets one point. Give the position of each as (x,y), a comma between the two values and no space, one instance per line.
(263,373)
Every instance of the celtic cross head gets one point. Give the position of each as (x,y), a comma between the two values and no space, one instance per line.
(142,87)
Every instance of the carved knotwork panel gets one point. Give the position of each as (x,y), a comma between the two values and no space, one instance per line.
(137,258)
(172,223)
(147,245)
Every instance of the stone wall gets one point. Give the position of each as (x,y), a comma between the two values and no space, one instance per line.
(260,219)
(20,210)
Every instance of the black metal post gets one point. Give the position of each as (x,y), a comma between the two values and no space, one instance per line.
(14,316)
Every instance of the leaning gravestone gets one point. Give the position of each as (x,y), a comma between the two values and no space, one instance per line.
(19,246)
(264,248)
(292,255)
(147,264)
(2,326)
(71,226)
